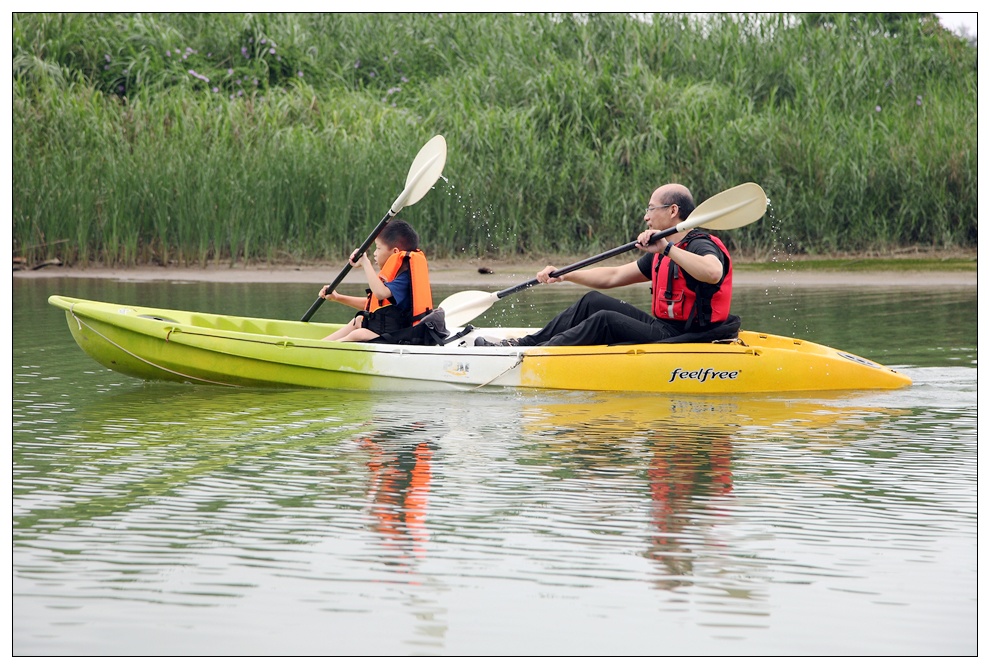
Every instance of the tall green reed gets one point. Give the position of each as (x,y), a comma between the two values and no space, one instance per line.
(192,138)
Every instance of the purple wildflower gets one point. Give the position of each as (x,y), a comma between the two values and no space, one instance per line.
(878,108)
(300,74)
(107,56)
(243,52)
(271,50)
(168,54)
(215,89)
(230,71)
(920,100)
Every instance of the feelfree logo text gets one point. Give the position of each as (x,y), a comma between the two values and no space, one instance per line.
(702,375)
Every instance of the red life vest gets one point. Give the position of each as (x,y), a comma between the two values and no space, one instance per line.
(674,298)
(422,295)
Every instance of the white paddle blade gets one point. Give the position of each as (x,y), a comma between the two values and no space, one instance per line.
(462,307)
(728,210)
(425,171)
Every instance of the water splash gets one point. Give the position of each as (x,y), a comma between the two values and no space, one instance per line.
(481,218)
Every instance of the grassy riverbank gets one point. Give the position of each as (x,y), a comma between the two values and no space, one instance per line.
(910,262)
(954,269)
(277,138)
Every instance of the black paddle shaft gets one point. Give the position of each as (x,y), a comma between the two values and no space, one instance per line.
(584,263)
(360,251)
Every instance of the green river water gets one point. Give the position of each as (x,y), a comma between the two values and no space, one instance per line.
(169,519)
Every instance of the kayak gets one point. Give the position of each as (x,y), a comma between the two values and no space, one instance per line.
(191,347)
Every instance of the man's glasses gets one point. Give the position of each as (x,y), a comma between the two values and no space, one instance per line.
(652,208)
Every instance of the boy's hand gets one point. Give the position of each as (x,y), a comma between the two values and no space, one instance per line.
(357,259)
(333,296)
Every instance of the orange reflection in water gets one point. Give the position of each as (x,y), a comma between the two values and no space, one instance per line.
(398,488)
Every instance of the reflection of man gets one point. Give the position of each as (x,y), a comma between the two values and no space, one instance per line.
(681,478)
(399,487)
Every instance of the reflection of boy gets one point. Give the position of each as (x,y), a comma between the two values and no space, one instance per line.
(397,296)
(400,484)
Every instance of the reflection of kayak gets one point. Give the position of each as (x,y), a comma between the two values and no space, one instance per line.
(185,346)
(614,416)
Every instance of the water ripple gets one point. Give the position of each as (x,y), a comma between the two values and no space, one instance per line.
(243,521)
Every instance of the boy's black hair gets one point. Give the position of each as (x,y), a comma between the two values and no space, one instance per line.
(399,234)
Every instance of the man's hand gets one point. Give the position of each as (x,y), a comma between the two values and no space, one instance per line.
(544,275)
(643,242)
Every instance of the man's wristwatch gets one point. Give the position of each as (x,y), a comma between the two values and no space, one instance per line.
(666,251)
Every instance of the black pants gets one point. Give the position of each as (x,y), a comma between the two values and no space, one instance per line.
(597,319)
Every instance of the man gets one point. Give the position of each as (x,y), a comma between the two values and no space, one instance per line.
(691,275)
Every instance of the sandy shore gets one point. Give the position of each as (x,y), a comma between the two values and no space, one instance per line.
(493,275)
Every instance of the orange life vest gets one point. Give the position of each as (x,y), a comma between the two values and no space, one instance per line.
(674,299)
(422,295)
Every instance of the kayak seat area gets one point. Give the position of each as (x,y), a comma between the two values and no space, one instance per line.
(453,338)
(225,323)
(725,332)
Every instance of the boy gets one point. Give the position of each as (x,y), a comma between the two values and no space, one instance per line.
(398,297)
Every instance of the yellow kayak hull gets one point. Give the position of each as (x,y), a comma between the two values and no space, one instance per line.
(186,346)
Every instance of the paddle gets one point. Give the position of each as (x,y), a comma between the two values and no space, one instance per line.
(425,170)
(731,209)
